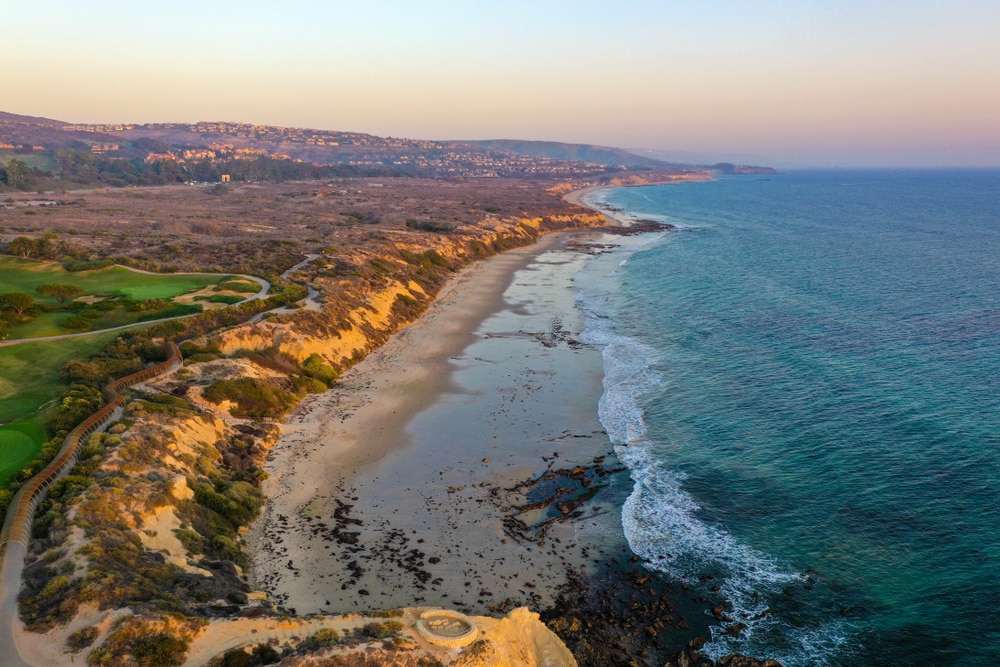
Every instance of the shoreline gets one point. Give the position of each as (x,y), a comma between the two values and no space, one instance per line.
(325,496)
(463,465)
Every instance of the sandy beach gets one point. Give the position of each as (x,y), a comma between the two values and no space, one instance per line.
(404,485)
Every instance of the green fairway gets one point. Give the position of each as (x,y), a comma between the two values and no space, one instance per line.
(24,275)
(50,324)
(29,372)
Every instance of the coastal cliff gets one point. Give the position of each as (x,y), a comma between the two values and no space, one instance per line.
(141,546)
(369,296)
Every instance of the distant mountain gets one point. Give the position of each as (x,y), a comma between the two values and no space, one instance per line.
(577,152)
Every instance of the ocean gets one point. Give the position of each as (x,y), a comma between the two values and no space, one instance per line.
(804,381)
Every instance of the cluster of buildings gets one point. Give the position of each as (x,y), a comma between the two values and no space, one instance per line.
(10,147)
(460,160)
(269,133)
(216,152)
(244,141)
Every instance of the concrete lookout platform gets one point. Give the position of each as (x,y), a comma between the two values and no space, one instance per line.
(447,628)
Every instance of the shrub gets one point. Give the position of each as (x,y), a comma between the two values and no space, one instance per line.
(264,654)
(87,265)
(253,397)
(6,495)
(308,385)
(226,549)
(228,299)
(428,226)
(241,286)
(406,307)
(76,323)
(81,639)
(324,638)
(236,657)
(382,630)
(160,650)
(316,367)
(190,540)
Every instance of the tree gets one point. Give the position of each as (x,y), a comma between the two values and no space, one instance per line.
(24,247)
(16,302)
(19,175)
(48,246)
(59,291)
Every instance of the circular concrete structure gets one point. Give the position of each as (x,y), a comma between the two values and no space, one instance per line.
(447,628)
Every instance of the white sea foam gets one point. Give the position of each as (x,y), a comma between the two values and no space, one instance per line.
(660,518)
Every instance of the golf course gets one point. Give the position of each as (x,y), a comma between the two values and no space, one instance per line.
(30,371)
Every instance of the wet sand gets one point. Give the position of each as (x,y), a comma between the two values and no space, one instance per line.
(400,487)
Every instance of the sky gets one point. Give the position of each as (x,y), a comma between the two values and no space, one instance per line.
(789,82)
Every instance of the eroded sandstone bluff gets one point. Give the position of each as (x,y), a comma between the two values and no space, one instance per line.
(371,294)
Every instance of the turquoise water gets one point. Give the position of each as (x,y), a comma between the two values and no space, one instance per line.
(803,380)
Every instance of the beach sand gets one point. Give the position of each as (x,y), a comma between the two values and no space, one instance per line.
(399,486)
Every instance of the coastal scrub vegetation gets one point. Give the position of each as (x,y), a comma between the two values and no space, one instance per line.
(253,397)
(259,655)
(160,642)
(271,398)
(115,487)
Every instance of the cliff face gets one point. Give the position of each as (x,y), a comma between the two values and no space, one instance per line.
(655,178)
(362,311)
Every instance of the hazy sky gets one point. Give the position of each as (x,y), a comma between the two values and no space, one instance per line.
(797,82)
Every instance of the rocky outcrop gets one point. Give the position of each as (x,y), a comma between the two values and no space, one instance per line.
(520,638)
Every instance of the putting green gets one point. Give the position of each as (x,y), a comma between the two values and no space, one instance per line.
(19,443)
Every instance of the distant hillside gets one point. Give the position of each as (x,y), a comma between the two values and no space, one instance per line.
(578,152)
(35,131)
(45,153)
(39,153)
(31,120)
